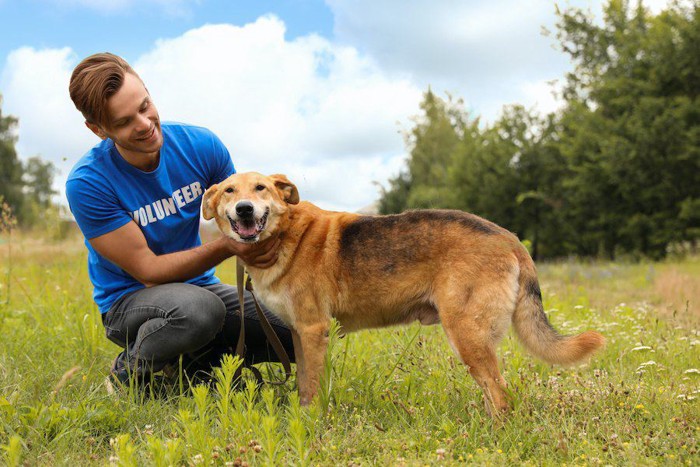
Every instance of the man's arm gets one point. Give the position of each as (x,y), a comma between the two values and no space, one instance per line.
(127,248)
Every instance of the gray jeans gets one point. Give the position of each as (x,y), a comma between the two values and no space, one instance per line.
(159,324)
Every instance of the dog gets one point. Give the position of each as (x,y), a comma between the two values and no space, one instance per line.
(435,266)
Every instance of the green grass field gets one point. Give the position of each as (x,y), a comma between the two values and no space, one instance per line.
(391,397)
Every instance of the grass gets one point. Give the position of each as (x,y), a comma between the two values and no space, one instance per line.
(390,397)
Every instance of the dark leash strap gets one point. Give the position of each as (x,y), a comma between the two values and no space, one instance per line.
(270,334)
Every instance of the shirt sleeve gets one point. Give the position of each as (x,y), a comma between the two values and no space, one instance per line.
(96,210)
(223,165)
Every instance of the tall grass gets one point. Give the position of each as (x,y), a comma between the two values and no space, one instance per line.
(395,396)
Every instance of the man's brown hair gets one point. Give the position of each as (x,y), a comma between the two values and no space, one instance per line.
(94,80)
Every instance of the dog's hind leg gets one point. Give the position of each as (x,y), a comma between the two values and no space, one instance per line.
(474,323)
(480,358)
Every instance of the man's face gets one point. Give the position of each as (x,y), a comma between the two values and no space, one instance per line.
(133,121)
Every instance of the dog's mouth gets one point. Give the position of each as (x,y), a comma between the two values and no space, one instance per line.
(248,229)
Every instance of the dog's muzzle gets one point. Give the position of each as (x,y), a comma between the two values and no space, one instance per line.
(245,224)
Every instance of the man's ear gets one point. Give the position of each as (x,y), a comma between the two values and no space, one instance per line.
(209,199)
(286,188)
(97,130)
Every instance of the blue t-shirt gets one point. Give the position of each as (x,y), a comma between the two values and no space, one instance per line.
(105,192)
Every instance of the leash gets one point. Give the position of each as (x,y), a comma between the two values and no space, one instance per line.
(270,334)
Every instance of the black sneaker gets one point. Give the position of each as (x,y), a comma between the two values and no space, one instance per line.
(122,375)
(145,382)
(119,373)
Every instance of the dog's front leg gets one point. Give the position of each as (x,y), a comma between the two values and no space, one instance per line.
(313,340)
(299,357)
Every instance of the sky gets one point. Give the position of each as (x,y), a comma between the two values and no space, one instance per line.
(322,91)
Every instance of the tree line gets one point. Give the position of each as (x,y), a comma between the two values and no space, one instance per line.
(26,188)
(615,171)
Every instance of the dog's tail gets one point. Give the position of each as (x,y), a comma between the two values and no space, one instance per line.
(533,327)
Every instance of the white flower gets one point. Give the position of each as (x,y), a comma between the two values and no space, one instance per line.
(641,347)
(643,366)
(685,397)
(694,371)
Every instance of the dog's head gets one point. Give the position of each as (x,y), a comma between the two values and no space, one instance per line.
(248,206)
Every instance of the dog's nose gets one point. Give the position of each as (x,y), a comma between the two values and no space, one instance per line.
(244,209)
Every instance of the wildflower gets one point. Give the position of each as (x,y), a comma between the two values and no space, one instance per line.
(693,371)
(440,454)
(641,347)
(644,365)
(639,406)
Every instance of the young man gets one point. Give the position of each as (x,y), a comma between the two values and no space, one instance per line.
(136,197)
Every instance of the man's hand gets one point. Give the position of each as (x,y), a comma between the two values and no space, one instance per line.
(258,255)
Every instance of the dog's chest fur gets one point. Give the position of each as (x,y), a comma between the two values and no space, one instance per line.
(277,301)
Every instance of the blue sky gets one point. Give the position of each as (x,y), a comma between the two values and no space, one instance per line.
(320,90)
(131,28)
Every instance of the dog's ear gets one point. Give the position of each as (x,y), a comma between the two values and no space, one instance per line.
(286,188)
(208,200)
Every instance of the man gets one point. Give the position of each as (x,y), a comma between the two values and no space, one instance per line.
(136,197)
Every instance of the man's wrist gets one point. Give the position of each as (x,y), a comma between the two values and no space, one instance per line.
(227,247)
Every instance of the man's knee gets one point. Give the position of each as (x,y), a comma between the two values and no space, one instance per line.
(202,314)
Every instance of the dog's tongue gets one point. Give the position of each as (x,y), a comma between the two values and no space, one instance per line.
(247,230)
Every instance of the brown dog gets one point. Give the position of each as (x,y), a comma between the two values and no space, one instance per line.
(435,266)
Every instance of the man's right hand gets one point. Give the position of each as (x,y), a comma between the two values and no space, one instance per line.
(261,254)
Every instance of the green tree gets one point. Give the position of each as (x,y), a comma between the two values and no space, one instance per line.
(38,180)
(433,142)
(617,170)
(631,127)
(25,187)
(10,166)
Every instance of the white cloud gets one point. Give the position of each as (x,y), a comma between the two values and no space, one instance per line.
(490,53)
(286,106)
(543,95)
(321,113)
(478,50)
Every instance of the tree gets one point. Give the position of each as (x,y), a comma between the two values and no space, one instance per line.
(10,166)
(38,181)
(26,188)
(616,171)
(631,130)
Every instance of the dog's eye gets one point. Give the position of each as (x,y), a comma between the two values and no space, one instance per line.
(229,190)
(260,187)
